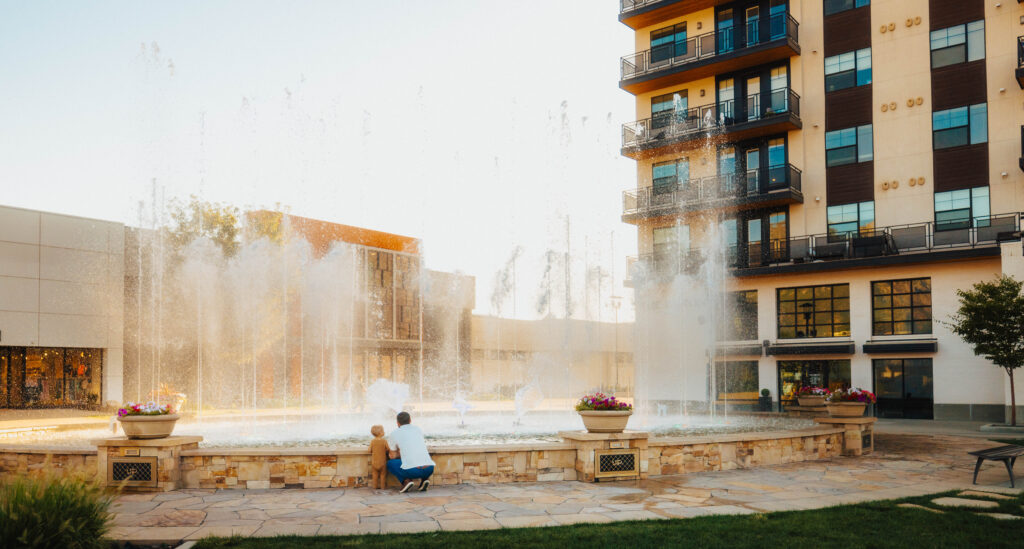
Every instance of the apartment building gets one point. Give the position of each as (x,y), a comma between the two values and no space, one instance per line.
(855,162)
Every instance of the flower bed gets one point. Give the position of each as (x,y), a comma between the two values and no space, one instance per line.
(600,402)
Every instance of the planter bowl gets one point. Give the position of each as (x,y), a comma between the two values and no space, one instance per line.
(144,427)
(813,401)
(605,421)
(846,409)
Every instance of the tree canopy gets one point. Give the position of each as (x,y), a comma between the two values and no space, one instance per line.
(991,320)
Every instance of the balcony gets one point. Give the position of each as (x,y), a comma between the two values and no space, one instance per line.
(725,50)
(642,13)
(896,245)
(676,131)
(1021,159)
(757,188)
(1020,62)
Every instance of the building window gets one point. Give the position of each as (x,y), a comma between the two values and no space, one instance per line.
(848,70)
(814,311)
(668,176)
(849,219)
(740,316)
(848,146)
(960,126)
(794,374)
(901,307)
(668,42)
(958,44)
(668,109)
(956,209)
(669,240)
(836,6)
(736,380)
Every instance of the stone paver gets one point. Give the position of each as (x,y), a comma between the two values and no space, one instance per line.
(962,502)
(902,466)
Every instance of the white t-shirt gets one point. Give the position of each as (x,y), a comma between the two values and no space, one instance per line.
(408,439)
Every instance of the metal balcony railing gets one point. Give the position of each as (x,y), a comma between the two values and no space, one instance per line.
(669,125)
(709,192)
(626,6)
(707,45)
(1020,52)
(917,238)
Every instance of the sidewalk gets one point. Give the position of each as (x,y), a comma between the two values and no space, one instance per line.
(902,466)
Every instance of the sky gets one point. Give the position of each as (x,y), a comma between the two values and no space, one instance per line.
(478,126)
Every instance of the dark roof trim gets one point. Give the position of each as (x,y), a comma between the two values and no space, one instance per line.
(902,346)
(823,348)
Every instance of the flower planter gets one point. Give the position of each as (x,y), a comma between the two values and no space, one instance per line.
(811,400)
(141,427)
(846,409)
(605,421)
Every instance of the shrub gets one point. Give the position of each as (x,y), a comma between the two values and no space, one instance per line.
(54,511)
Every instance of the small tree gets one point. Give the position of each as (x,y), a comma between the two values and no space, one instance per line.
(991,319)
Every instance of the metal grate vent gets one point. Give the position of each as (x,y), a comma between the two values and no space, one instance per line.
(132,471)
(617,463)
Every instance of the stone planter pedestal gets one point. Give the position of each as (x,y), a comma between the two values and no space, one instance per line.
(807,411)
(591,446)
(858,435)
(157,460)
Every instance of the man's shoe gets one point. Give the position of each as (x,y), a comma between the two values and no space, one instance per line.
(407,487)
(424,484)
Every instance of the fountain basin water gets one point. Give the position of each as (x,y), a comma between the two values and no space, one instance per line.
(352,430)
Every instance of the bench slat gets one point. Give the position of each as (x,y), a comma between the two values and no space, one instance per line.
(999,452)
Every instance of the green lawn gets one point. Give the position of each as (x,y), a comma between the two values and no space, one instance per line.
(1017,441)
(874,524)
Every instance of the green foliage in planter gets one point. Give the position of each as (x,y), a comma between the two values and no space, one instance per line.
(54,511)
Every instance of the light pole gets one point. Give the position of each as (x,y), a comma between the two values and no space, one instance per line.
(616,303)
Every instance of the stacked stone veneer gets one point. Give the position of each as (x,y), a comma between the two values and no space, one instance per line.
(256,468)
(16,461)
(289,468)
(744,451)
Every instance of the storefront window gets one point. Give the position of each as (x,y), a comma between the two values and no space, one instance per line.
(793,374)
(46,377)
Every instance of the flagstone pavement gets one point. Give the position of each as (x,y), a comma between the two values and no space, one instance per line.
(902,466)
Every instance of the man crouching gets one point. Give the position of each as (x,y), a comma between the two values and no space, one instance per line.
(409,457)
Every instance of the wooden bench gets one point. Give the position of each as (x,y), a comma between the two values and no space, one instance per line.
(1006,454)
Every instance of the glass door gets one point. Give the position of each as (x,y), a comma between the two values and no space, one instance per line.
(753,159)
(904,388)
(778,236)
(726,101)
(777,18)
(726,41)
(779,92)
(753,30)
(727,171)
(777,177)
(754,248)
(753,98)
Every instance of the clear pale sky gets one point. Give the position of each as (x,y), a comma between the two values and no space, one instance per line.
(476,126)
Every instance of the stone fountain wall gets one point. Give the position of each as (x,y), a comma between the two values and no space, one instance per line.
(262,468)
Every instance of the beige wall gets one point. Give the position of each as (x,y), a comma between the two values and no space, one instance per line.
(960,376)
(62,285)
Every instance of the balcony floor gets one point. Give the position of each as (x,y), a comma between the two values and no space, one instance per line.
(776,50)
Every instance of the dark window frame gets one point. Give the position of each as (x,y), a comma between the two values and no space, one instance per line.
(964,134)
(801,325)
(855,147)
(884,295)
(673,46)
(832,7)
(740,316)
(849,78)
(961,51)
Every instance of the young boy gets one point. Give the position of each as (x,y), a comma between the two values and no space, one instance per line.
(378,457)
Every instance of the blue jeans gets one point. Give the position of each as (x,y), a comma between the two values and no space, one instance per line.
(404,475)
